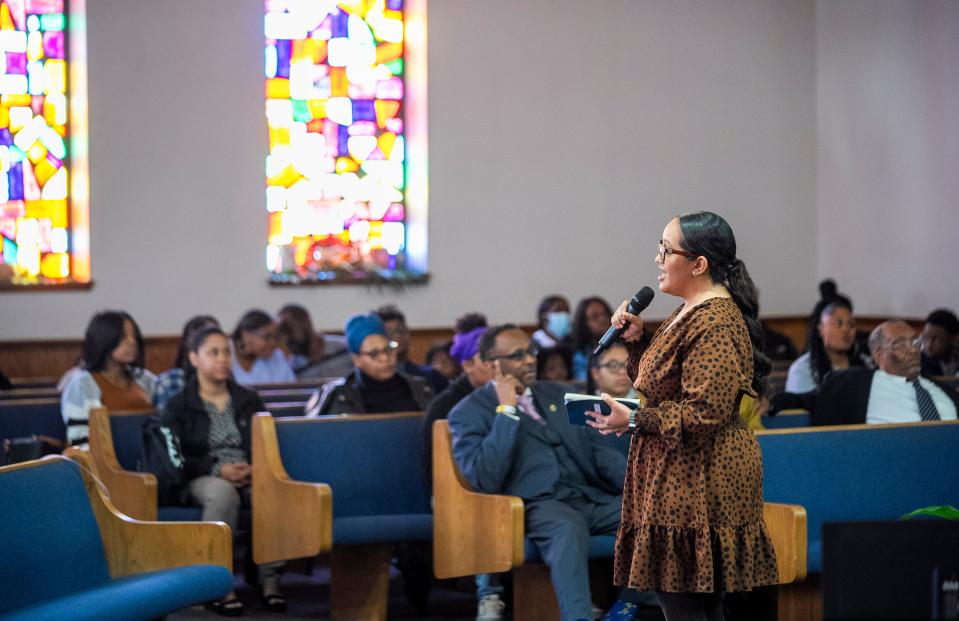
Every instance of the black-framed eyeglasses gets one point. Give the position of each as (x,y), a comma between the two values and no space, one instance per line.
(376,354)
(517,356)
(612,365)
(663,251)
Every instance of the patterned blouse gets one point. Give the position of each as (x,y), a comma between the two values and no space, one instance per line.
(226,445)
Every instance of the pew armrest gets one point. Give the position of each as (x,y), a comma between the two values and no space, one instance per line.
(473,533)
(291,519)
(134,546)
(132,493)
(786,525)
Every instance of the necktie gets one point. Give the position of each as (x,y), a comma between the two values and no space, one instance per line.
(526,406)
(927,409)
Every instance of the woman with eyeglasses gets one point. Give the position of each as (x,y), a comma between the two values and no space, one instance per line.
(374,385)
(607,374)
(692,519)
(257,356)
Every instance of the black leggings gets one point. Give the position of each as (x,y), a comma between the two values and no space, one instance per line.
(692,606)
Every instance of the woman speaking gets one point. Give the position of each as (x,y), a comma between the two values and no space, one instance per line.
(692,520)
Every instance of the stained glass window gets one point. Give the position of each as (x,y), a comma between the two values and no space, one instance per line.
(336,173)
(35,213)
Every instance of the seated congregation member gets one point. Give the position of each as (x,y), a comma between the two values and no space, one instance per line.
(311,354)
(512,437)
(399,333)
(211,416)
(111,373)
(465,350)
(554,364)
(257,357)
(554,321)
(893,393)
(171,381)
(590,322)
(832,347)
(375,385)
(939,356)
(439,359)
(608,374)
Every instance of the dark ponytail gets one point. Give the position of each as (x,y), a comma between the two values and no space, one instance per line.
(709,235)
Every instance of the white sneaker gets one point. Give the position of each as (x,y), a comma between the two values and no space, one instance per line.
(490,608)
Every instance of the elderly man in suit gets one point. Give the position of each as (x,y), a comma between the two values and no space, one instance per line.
(512,437)
(893,393)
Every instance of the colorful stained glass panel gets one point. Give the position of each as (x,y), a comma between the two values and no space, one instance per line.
(34,208)
(335,173)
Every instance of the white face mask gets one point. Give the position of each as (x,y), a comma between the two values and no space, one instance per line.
(559,324)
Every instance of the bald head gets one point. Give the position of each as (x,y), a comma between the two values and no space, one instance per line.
(894,348)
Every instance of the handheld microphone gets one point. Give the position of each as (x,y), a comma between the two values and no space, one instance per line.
(636,305)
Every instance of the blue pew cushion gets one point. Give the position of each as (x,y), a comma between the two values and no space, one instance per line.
(20,420)
(600,546)
(874,472)
(382,529)
(127,432)
(144,596)
(48,527)
(373,465)
(179,514)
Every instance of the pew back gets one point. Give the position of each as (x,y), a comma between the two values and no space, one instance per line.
(372,462)
(28,417)
(860,472)
(48,500)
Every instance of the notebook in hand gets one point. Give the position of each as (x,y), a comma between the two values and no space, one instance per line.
(578,404)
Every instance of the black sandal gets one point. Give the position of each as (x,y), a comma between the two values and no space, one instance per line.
(232,607)
(274,602)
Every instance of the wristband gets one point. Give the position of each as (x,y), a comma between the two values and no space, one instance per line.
(632,420)
(507,410)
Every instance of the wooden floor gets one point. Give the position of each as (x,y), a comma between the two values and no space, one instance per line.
(308,597)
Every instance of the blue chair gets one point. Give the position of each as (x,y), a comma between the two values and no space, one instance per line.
(371,465)
(71,555)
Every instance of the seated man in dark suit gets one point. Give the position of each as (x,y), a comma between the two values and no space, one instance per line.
(893,393)
(512,437)
(375,385)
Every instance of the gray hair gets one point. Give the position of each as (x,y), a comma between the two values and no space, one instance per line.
(877,338)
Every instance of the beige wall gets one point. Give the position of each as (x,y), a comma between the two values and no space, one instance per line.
(563,136)
(887,152)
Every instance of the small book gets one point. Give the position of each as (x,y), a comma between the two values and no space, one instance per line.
(577,405)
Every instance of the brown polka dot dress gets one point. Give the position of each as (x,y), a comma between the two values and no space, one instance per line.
(692,519)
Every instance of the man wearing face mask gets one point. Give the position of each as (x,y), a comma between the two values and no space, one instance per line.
(555,322)
(893,393)
(511,436)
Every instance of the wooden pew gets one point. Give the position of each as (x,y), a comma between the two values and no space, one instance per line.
(371,465)
(852,473)
(70,547)
(477,533)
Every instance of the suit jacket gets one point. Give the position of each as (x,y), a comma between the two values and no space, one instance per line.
(843,398)
(499,455)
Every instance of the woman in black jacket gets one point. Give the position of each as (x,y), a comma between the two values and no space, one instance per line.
(212,417)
